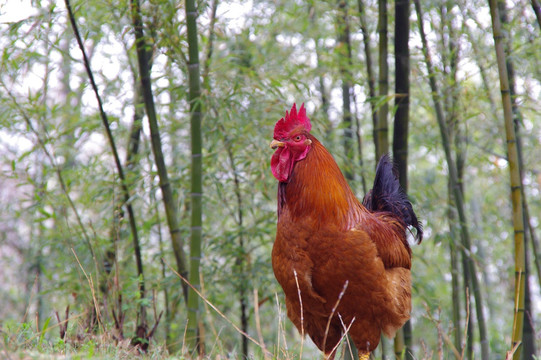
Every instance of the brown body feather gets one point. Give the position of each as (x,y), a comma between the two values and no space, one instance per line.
(329,238)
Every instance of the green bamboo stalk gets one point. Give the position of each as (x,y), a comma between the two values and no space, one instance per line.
(124,186)
(194,95)
(516,184)
(455,283)
(457,191)
(452,118)
(241,257)
(210,46)
(369,67)
(382,128)
(169,198)
(344,61)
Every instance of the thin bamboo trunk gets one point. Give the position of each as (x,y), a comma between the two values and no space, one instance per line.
(167,306)
(467,283)
(344,44)
(344,63)
(514,172)
(455,282)
(194,97)
(528,336)
(369,69)
(528,329)
(450,57)
(536,248)
(39,256)
(169,198)
(137,126)
(123,183)
(210,47)
(400,133)
(457,192)
(240,260)
(382,128)
(41,184)
(360,147)
(402,71)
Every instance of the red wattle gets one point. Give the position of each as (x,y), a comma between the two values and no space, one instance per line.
(281,164)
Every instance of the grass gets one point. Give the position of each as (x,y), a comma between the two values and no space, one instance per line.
(54,340)
(21,340)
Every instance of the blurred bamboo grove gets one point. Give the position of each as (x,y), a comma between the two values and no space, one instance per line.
(137,206)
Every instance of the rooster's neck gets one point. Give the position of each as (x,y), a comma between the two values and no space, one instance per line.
(318,191)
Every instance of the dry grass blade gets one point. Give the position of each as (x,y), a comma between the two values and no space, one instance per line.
(258,324)
(333,311)
(509,355)
(216,309)
(281,330)
(302,311)
(345,334)
(91,284)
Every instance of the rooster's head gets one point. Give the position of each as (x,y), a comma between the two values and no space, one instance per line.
(291,141)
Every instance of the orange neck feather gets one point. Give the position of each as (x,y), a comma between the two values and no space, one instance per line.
(318,191)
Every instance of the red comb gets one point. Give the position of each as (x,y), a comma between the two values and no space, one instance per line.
(291,121)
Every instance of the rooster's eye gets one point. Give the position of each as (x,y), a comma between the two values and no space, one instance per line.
(298,138)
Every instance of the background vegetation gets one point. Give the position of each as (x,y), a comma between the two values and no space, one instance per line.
(92,243)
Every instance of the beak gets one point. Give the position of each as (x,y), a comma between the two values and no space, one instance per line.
(276,144)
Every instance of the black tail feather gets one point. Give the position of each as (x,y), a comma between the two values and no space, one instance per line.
(388,196)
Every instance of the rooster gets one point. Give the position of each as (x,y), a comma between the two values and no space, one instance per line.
(344,266)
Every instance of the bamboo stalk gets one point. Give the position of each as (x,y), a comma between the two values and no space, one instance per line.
(240,260)
(194,95)
(382,128)
(369,68)
(210,46)
(449,43)
(402,341)
(457,191)
(528,331)
(124,186)
(402,71)
(169,198)
(345,61)
(516,184)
